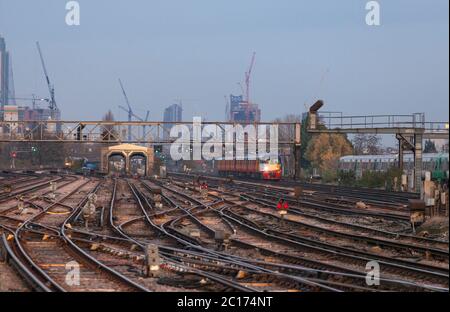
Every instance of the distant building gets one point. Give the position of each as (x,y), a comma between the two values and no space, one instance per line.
(40,114)
(239,109)
(7,95)
(173,113)
(43,114)
(27,117)
(11,113)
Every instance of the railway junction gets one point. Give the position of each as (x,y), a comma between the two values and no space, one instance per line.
(136,224)
(175,234)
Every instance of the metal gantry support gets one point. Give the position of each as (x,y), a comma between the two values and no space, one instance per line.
(402,126)
(115,131)
(297,150)
(403,144)
(418,162)
(400,154)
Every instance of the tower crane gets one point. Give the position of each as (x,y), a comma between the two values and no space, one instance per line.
(130,112)
(247,78)
(144,126)
(52,103)
(247,87)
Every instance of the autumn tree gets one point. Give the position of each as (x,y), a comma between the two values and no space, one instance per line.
(324,150)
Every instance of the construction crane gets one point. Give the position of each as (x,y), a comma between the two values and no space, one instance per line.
(51,89)
(247,87)
(144,126)
(130,112)
(227,108)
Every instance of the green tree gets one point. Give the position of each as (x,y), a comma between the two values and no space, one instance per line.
(430,147)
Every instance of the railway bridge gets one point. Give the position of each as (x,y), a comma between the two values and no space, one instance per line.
(153,133)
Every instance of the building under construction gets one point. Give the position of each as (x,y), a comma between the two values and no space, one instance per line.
(240,108)
(242,111)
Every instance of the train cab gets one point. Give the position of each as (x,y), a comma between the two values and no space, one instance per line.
(271,169)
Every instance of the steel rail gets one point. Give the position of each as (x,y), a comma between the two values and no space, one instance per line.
(431,287)
(120,277)
(323,247)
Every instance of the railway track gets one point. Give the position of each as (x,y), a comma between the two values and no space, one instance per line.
(256,273)
(266,237)
(425,272)
(139,241)
(277,280)
(389,197)
(28,188)
(39,251)
(316,247)
(340,205)
(382,237)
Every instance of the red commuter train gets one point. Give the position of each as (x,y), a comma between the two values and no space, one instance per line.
(262,169)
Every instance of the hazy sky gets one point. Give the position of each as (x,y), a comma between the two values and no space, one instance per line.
(197,50)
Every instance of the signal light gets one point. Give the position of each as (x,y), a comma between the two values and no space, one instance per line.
(158,149)
(280,204)
(13,154)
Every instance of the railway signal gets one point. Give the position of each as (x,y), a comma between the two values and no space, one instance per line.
(52,194)
(13,159)
(204,190)
(152,260)
(89,209)
(282,207)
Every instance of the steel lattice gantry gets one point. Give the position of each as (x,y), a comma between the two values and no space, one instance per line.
(410,130)
(286,134)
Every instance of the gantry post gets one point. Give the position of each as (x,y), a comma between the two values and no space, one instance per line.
(297,151)
(418,162)
(400,154)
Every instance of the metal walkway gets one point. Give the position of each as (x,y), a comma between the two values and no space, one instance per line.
(410,130)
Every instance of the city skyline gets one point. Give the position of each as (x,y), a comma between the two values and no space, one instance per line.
(224,152)
(202,55)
